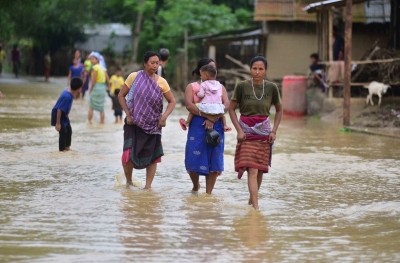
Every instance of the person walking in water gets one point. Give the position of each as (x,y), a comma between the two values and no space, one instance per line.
(141,99)
(60,111)
(16,59)
(210,93)
(254,133)
(98,88)
(47,66)
(2,58)
(201,158)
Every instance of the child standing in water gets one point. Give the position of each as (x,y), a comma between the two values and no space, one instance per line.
(209,96)
(116,81)
(60,111)
(115,105)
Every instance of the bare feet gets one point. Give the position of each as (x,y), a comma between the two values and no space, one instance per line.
(196,188)
(129,184)
(182,122)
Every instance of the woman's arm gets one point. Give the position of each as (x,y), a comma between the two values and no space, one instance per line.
(277,121)
(170,107)
(93,78)
(58,120)
(108,84)
(232,114)
(225,99)
(122,101)
(190,106)
(68,78)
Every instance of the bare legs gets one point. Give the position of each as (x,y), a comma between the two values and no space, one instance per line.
(90,116)
(195,180)
(102,115)
(210,181)
(150,173)
(128,169)
(254,183)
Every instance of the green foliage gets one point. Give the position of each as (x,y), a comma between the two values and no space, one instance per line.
(166,28)
(51,24)
(54,24)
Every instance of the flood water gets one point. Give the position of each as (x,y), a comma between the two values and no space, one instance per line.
(330,196)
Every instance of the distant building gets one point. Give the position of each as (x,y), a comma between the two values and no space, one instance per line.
(114,37)
(295,30)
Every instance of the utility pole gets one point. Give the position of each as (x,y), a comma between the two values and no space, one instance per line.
(347,63)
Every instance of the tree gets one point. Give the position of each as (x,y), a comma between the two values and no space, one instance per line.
(197,17)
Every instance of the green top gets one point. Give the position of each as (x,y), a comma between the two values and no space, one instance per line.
(249,105)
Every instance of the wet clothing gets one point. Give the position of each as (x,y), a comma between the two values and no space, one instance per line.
(145,102)
(201,157)
(65,135)
(254,106)
(98,94)
(141,148)
(142,140)
(116,106)
(98,97)
(249,105)
(64,103)
(255,151)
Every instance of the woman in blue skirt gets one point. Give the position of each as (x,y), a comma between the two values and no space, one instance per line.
(204,153)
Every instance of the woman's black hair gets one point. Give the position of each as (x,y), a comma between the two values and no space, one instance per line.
(259,58)
(149,54)
(200,63)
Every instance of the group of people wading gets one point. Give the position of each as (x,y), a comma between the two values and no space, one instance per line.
(141,98)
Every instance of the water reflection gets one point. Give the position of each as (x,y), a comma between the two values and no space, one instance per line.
(330,196)
(139,227)
(253,235)
(205,229)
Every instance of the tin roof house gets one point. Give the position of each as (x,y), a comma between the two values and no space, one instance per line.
(298,28)
(114,37)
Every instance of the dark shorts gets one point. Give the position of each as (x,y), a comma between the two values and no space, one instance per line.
(118,112)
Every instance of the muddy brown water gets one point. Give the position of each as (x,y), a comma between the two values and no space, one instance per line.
(330,196)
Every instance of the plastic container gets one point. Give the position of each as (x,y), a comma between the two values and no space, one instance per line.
(294,90)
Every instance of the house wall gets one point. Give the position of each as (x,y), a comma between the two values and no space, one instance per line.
(289,46)
(364,36)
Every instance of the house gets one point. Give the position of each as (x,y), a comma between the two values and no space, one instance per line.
(296,29)
(113,37)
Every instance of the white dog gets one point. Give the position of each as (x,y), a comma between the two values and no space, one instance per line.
(377,88)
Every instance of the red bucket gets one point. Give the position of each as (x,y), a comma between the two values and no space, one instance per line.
(294,90)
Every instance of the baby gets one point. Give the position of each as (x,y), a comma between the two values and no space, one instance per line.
(210,95)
